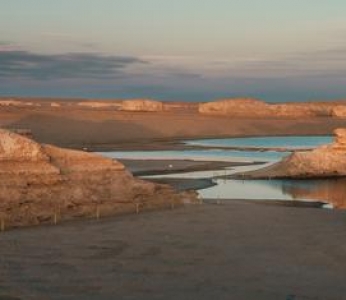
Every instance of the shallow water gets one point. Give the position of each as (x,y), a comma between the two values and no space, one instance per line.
(331,191)
(325,190)
(289,142)
(200,155)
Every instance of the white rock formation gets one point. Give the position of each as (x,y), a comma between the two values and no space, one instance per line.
(141,105)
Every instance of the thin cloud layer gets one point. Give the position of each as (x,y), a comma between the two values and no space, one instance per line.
(301,75)
(331,62)
(24,64)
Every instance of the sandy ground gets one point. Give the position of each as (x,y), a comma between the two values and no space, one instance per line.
(167,166)
(107,129)
(239,250)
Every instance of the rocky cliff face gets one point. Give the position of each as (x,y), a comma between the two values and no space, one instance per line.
(141,105)
(235,107)
(16,103)
(339,111)
(44,184)
(99,104)
(253,108)
(324,161)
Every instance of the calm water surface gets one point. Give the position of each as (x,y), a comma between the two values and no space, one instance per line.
(327,190)
(289,142)
(201,155)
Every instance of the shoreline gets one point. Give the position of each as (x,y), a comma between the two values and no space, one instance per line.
(105,129)
(180,144)
(146,167)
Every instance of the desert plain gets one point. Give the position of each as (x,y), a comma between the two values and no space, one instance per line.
(229,250)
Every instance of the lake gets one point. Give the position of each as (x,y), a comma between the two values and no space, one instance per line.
(325,190)
(289,142)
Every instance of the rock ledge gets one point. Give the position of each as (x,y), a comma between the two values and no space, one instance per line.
(45,184)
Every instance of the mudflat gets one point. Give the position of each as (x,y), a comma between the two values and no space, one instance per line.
(236,250)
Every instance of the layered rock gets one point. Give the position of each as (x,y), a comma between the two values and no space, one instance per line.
(253,108)
(99,104)
(141,105)
(43,183)
(55,104)
(339,111)
(292,110)
(11,102)
(235,107)
(324,161)
(125,105)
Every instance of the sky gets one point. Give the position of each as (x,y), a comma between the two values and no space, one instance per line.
(193,50)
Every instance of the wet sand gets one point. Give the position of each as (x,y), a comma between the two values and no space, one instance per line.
(141,167)
(239,250)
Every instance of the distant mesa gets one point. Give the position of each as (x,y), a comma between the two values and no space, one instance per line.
(99,104)
(11,102)
(55,104)
(324,161)
(229,107)
(44,183)
(339,111)
(145,105)
(140,105)
(234,107)
(253,108)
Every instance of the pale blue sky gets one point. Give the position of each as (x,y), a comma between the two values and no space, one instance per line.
(186,49)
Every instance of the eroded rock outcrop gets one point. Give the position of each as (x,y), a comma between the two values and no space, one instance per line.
(339,111)
(11,102)
(253,108)
(141,105)
(99,104)
(55,104)
(44,183)
(298,110)
(235,107)
(324,161)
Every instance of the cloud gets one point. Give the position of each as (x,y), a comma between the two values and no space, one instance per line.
(316,63)
(8,46)
(24,64)
(70,39)
(18,64)
(329,62)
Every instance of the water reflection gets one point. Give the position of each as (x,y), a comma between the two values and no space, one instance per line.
(326,190)
(332,191)
(199,155)
(245,189)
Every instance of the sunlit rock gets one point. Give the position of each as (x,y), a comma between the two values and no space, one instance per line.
(324,161)
(141,105)
(43,183)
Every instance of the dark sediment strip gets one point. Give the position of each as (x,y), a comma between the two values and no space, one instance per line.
(142,167)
